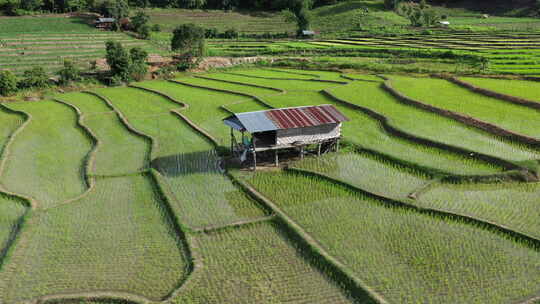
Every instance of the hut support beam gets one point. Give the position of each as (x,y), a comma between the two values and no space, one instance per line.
(319,149)
(301,152)
(276,158)
(337,145)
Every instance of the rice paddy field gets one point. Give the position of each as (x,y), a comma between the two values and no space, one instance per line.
(127,195)
(47,41)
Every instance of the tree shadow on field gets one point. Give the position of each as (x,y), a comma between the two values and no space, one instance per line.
(188,163)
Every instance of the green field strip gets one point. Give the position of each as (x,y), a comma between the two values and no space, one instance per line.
(430,125)
(117,238)
(186,163)
(288,85)
(368,133)
(44,25)
(405,256)
(247,106)
(66,47)
(119,151)
(454,98)
(384,178)
(322,75)
(364,77)
(204,105)
(519,88)
(272,73)
(48,157)
(216,84)
(257,264)
(511,205)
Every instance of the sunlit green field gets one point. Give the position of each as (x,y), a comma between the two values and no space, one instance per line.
(127,195)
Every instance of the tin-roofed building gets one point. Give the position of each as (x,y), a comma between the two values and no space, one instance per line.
(287,128)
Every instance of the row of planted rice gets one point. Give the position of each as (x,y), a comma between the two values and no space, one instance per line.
(49,50)
(517,53)
(152,218)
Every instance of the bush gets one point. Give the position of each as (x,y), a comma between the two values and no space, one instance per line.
(8,83)
(211,33)
(35,78)
(69,73)
(231,34)
(156,28)
(188,39)
(138,67)
(144,32)
(118,59)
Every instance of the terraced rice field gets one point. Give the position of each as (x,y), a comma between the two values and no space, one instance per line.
(510,53)
(48,41)
(124,194)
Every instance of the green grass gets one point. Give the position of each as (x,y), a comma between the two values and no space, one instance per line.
(186,162)
(429,125)
(405,256)
(256,264)
(243,21)
(45,24)
(520,88)
(514,206)
(48,157)
(454,98)
(229,86)
(288,85)
(119,151)
(204,105)
(384,178)
(245,107)
(118,238)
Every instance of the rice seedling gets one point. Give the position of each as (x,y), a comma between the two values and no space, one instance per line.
(187,164)
(405,256)
(9,122)
(117,238)
(204,105)
(520,88)
(452,97)
(511,205)
(11,211)
(274,73)
(48,156)
(367,77)
(384,178)
(430,125)
(245,107)
(119,151)
(287,85)
(256,264)
(256,91)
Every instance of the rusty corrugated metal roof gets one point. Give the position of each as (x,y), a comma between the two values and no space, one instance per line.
(288,118)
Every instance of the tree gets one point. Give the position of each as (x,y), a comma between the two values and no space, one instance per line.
(298,11)
(31,5)
(69,73)
(138,67)
(8,83)
(188,39)
(140,19)
(118,59)
(117,9)
(193,3)
(35,78)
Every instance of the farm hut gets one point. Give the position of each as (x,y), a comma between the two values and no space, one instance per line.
(286,128)
(105,23)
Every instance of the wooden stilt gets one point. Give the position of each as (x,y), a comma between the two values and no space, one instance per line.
(319,149)
(302,152)
(276,156)
(337,145)
(254,160)
(232,142)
